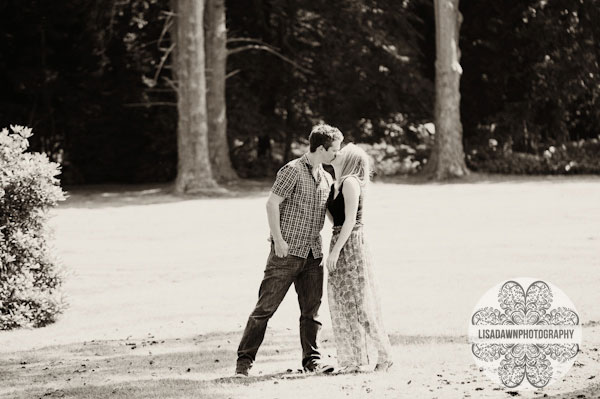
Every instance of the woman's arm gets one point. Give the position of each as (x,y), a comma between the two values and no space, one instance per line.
(351,191)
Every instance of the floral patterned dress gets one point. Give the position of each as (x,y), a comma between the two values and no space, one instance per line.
(353,303)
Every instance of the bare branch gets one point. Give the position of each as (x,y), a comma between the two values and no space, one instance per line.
(162,62)
(172,84)
(166,26)
(232,73)
(150,104)
(168,13)
(270,50)
(248,40)
(159,90)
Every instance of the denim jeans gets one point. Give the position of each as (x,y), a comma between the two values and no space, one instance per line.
(280,273)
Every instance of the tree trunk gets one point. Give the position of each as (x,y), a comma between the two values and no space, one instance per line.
(447,158)
(216,59)
(290,123)
(193,169)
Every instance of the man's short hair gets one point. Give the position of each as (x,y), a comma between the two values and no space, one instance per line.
(325,135)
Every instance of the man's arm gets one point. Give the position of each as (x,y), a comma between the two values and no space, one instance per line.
(284,186)
(281,247)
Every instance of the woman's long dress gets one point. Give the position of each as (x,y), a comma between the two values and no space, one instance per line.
(353,302)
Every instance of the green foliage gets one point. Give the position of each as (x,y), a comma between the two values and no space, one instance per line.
(104,108)
(404,150)
(72,70)
(531,73)
(30,278)
(355,64)
(388,161)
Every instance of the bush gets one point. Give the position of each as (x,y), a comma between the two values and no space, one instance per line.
(579,157)
(30,278)
(402,159)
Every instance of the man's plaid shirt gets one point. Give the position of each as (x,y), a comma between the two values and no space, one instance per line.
(302,213)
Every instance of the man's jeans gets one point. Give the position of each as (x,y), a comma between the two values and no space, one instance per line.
(280,273)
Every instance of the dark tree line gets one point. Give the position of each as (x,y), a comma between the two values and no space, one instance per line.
(531,70)
(96,80)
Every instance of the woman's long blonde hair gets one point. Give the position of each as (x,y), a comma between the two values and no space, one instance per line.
(357,163)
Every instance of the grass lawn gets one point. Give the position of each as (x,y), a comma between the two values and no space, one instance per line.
(161,286)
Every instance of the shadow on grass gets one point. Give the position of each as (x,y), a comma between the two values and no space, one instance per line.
(161,388)
(199,367)
(148,389)
(484,178)
(101,196)
(118,195)
(259,378)
(147,368)
(591,391)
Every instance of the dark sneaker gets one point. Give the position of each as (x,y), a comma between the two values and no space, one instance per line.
(318,368)
(241,370)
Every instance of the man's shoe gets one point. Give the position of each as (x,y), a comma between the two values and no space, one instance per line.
(241,370)
(318,368)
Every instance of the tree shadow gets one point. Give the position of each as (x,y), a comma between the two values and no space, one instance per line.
(119,195)
(264,377)
(486,178)
(148,367)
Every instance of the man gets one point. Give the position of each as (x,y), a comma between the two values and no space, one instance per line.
(296,213)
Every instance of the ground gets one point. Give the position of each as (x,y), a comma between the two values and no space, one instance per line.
(160,288)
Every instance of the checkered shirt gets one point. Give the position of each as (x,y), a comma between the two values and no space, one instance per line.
(302,212)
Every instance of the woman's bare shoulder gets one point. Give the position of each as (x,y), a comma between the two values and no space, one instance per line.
(351,186)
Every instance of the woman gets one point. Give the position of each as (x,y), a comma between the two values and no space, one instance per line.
(354,307)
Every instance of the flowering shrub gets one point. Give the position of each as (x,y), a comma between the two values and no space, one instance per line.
(30,278)
(389,160)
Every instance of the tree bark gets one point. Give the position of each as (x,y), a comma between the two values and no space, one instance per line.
(216,61)
(290,123)
(447,158)
(193,169)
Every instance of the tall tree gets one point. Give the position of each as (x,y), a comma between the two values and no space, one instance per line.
(447,156)
(216,60)
(194,171)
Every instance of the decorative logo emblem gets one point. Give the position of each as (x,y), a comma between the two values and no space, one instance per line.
(525,333)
